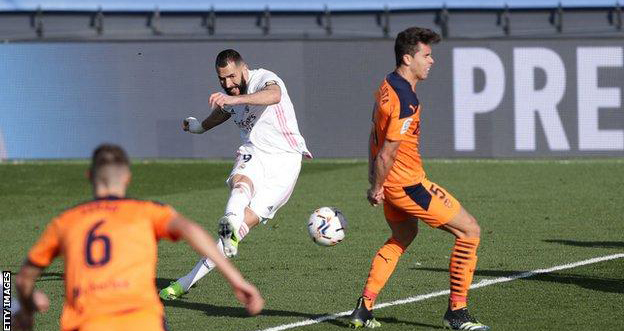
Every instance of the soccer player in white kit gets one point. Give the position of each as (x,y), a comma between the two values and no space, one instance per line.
(267,163)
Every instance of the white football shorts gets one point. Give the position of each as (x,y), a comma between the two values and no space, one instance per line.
(274,176)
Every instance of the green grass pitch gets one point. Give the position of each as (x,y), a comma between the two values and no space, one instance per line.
(534,214)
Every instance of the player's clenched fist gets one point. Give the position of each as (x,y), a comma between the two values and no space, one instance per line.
(375,197)
(192,125)
(221,99)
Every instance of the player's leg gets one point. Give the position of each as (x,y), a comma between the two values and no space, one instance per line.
(435,206)
(184,283)
(463,263)
(404,229)
(237,219)
(440,209)
(246,180)
(248,174)
(387,257)
(233,227)
(463,257)
(272,178)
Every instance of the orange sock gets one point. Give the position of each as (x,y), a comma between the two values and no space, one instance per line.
(463,263)
(382,267)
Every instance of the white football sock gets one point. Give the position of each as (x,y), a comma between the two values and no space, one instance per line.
(240,196)
(201,269)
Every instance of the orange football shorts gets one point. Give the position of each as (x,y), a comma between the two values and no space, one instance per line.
(426,201)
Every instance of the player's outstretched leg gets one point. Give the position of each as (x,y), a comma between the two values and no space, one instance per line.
(361,317)
(232,229)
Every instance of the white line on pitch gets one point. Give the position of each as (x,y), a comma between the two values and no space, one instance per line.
(483,283)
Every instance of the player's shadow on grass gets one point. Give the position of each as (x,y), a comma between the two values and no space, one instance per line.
(596,244)
(240,312)
(609,285)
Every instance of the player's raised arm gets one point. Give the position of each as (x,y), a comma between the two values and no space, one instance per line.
(201,242)
(269,95)
(218,116)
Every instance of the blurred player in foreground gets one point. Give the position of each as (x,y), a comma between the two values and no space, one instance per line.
(110,249)
(268,162)
(398,181)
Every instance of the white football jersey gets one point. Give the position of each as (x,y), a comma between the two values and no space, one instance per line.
(273,128)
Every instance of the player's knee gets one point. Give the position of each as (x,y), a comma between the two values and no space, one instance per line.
(475,231)
(244,187)
(238,178)
(465,227)
(472,229)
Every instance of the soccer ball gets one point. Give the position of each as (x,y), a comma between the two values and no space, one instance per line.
(327,226)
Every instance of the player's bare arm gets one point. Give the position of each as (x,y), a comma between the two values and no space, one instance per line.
(218,116)
(271,94)
(371,168)
(202,243)
(381,167)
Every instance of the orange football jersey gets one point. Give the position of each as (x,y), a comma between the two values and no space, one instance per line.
(396,117)
(110,251)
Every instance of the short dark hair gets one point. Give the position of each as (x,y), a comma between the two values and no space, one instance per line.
(227,56)
(108,155)
(407,41)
